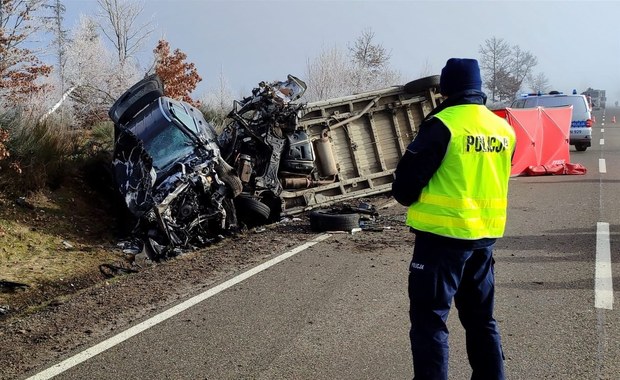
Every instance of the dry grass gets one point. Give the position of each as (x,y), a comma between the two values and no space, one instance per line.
(56,237)
(55,230)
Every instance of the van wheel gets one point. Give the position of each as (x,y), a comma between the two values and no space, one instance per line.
(581,147)
(251,211)
(422,84)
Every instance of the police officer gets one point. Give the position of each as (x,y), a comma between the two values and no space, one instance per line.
(454,179)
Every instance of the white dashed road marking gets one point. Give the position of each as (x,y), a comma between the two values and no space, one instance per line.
(603,282)
(602,167)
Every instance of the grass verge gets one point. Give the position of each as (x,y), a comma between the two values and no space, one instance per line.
(53,242)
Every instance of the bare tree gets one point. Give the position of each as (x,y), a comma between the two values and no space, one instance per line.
(119,23)
(495,58)
(60,38)
(370,62)
(368,55)
(218,104)
(539,83)
(335,73)
(522,64)
(508,85)
(327,75)
(94,72)
(507,67)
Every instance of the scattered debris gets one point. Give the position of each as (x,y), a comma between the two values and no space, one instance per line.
(110,270)
(132,246)
(22,202)
(377,229)
(10,286)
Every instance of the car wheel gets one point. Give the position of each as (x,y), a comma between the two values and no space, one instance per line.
(327,220)
(581,147)
(251,211)
(422,84)
(228,176)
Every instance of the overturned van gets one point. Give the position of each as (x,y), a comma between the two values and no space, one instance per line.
(358,141)
(293,156)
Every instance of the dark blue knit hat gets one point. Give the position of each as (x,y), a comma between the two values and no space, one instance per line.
(460,74)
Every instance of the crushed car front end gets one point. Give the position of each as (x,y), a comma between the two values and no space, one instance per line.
(168,169)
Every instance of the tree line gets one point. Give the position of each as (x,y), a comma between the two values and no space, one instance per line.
(84,69)
(508,70)
(54,97)
(97,60)
(89,66)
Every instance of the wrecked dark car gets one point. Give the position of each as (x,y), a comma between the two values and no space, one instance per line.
(185,186)
(168,169)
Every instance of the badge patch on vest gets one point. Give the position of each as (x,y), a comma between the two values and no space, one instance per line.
(485,144)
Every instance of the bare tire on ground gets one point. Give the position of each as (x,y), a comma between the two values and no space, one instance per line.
(326,220)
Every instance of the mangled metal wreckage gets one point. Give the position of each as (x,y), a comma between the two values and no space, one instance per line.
(185,186)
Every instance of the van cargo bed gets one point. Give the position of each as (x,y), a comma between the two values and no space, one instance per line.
(368,134)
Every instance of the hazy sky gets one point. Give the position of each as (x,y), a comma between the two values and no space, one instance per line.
(577,43)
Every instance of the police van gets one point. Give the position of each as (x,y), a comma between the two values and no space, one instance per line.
(581,124)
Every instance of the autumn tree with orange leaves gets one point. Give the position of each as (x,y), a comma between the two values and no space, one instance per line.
(19,66)
(179,77)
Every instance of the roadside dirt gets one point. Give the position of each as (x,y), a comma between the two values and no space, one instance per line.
(87,308)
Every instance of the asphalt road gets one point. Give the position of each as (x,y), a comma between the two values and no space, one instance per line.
(338,309)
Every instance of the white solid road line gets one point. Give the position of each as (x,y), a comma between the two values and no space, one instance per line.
(135,330)
(602,167)
(603,281)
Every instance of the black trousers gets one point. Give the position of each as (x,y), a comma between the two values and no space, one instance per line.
(438,274)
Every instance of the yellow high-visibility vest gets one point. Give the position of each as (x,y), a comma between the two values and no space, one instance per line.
(468,195)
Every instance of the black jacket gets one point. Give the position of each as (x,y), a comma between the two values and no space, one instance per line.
(424,156)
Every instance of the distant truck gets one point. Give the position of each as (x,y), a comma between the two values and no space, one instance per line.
(597,98)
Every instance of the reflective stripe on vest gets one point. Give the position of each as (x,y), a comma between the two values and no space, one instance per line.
(467,197)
